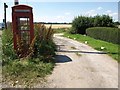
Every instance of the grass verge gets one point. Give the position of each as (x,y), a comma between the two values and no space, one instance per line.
(26,72)
(28,65)
(111,49)
(60,30)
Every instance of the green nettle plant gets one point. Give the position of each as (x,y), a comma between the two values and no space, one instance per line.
(24,49)
(42,45)
(7,46)
(25,65)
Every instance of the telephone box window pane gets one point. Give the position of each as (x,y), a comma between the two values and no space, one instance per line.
(24,24)
(25,36)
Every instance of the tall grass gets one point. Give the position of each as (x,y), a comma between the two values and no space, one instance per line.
(7,46)
(110,48)
(44,45)
(33,65)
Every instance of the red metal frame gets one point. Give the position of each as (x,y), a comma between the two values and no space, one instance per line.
(21,11)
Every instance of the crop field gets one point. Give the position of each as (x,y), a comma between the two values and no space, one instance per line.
(56,26)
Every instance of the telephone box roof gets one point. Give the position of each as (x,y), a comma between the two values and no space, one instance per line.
(22,7)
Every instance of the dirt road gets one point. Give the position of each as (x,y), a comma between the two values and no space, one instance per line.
(80,66)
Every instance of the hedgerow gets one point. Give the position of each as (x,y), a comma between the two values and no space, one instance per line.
(104,33)
(81,23)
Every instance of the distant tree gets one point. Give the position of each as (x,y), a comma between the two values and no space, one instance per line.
(97,21)
(81,23)
(117,23)
(103,21)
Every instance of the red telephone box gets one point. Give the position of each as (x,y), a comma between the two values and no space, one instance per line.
(22,22)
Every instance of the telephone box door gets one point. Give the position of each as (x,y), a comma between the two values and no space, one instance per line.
(22,21)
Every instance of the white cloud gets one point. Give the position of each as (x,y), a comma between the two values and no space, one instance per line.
(99,8)
(108,11)
(62,18)
(59,17)
(91,13)
(67,13)
(113,14)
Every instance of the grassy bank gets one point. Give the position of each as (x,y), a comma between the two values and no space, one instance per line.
(111,49)
(26,72)
(60,30)
(27,67)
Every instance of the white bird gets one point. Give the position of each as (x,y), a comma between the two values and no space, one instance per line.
(74,38)
(86,42)
(102,48)
(16,81)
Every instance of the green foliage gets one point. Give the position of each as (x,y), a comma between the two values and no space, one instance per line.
(17,68)
(103,21)
(26,71)
(60,30)
(44,45)
(110,48)
(7,46)
(81,23)
(104,33)
(27,65)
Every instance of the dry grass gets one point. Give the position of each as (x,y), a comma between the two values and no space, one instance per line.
(56,26)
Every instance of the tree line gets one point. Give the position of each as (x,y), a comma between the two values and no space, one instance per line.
(51,23)
(81,23)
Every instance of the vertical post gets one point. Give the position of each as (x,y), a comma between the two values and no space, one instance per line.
(5,6)
(16,2)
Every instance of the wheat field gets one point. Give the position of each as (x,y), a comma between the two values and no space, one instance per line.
(56,26)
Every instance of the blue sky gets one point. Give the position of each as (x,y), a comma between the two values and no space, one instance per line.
(64,11)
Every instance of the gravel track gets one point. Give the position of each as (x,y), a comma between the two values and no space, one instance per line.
(80,66)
